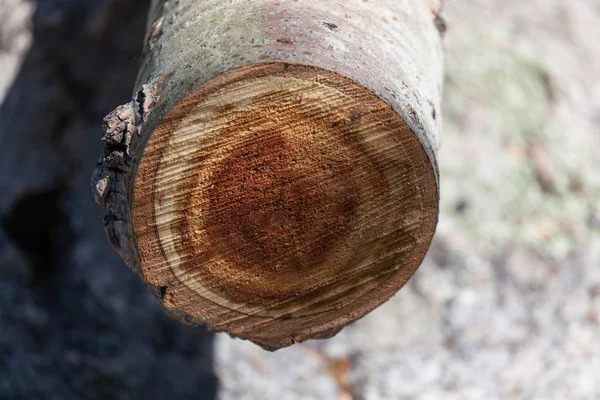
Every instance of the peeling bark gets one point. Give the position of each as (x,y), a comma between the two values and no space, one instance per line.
(112,178)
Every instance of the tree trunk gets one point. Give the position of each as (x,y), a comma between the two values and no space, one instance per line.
(275,174)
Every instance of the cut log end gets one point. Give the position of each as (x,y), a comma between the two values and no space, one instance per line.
(281,202)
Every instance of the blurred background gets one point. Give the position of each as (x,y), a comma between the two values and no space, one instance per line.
(505,306)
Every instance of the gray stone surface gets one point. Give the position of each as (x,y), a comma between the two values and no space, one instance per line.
(15,39)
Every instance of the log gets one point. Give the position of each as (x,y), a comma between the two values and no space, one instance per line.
(275,173)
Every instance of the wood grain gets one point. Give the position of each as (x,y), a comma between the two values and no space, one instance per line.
(280,202)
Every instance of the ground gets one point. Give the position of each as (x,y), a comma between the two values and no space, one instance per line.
(505,306)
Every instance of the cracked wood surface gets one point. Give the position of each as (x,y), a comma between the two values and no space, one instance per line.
(193,178)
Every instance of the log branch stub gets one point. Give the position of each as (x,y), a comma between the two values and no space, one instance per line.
(277,200)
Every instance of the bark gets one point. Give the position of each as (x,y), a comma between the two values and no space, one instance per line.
(386,61)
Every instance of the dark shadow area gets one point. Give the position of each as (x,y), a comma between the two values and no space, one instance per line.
(40,230)
(75,322)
